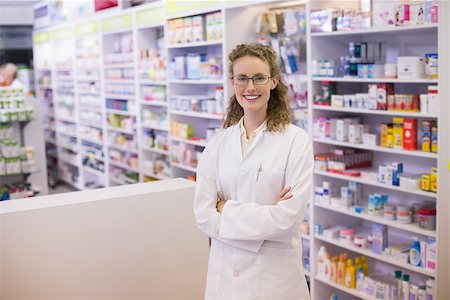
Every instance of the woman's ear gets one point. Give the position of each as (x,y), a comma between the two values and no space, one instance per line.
(273,82)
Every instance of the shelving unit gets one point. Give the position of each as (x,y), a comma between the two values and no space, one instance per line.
(332,45)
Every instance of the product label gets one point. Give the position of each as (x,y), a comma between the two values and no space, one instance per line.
(182,6)
(63,33)
(151,16)
(44,37)
(117,23)
(86,28)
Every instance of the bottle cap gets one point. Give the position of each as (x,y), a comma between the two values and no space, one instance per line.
(398,274)
(405,277)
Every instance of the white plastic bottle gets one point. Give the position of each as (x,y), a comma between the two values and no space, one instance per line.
(321,257)
(430,289)
(405,287)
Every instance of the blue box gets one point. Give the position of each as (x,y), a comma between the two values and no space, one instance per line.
(380,238)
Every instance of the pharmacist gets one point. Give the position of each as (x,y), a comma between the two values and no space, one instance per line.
(253,184)
(8,76)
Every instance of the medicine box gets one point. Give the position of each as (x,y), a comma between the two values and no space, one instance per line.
(410,134)
(380,238)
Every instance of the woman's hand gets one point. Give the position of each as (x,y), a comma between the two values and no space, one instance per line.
(219,205)
(284,194)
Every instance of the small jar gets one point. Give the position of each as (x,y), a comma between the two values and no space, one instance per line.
(360,242)
(427,218)
(346,235)
(404,214)
(415,210)
(389,212)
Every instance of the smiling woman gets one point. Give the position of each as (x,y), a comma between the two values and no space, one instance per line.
(253,184)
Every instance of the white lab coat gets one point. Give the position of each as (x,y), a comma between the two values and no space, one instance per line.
(256,245)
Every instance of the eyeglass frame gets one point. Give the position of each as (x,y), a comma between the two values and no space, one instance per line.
(248,79)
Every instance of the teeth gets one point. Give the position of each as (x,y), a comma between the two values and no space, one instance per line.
(251,97)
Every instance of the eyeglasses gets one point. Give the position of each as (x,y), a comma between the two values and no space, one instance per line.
(257,80)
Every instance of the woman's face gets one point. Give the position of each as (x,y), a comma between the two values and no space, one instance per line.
(252,97)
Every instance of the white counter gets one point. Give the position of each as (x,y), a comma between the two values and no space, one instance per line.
(129,242)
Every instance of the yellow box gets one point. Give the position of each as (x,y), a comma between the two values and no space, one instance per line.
(384,135)
(390,136)
(425,182)
(398,133)
(433,180)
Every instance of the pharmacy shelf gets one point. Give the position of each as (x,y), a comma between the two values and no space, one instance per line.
(88,78)
(384,30)
(198,81)
(91,124)
(153,103)
(93,171)
(69,134)
(121,130)
(352,292)
(377,184)
(155,127)
(68,147)
(97,142)
(76,185)
(377,148)
(120,181)
(375,112)
(370,253)
(120,112)
(118,66)
(151,82)
(152,175)
(68,120)
(201,143)
(378,219)
(123,149)
(126,81)
(50,141)
(197,114)
(123,166)
(68,161)
(184,167)
(94,156)
(375,80)
(155,150)
(195,44)
(120,97)
(86,92)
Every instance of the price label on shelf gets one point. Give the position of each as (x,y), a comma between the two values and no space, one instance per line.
(151,16)
(182,6)
(86,28)
(41,37)
(117,23)
(63,33)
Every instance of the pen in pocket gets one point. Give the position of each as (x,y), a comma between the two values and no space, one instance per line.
(259,171)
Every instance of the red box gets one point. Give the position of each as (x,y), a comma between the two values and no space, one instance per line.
(410,134)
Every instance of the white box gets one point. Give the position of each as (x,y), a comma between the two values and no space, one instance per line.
(410,67)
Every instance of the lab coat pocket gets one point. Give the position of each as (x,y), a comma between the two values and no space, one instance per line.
(268,187)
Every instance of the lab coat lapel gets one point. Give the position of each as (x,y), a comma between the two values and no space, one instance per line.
(257,139)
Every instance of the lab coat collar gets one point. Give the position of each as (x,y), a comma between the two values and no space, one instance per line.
(261,132)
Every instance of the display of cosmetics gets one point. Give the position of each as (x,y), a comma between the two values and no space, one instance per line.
(124,158)
(16,191)
(153,93)
(12,105)
(195,29)
(152,64)
(122,140)
(198,103)
(196,66)
(155,139)
(157,165)
(119,74)
(120,175)
(154,117)
(122,50)
(123,122)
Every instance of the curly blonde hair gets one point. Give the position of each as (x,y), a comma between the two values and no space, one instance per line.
(278,114)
